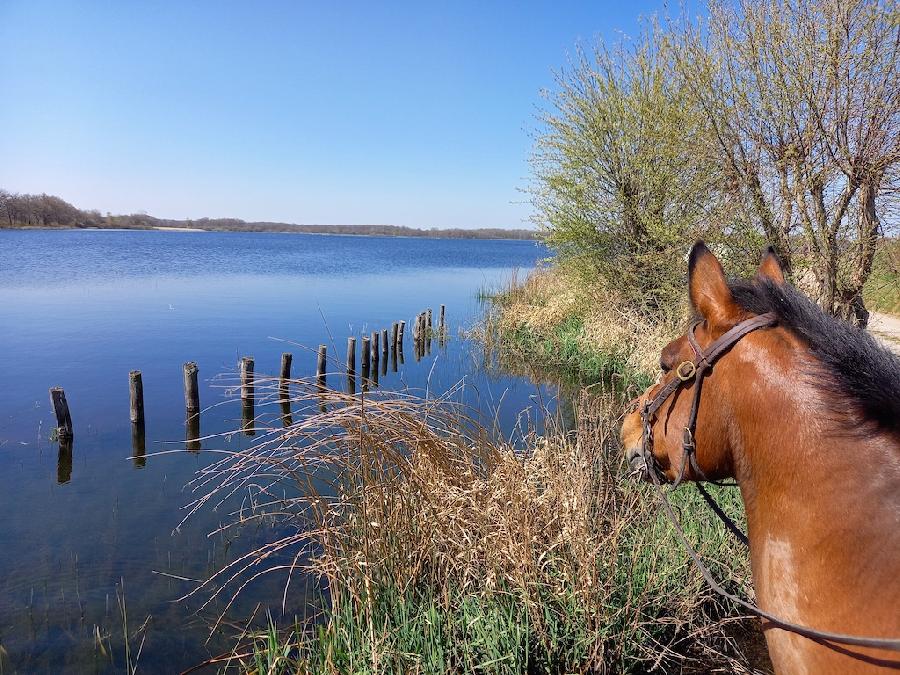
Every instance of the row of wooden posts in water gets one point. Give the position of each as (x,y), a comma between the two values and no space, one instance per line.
(375,351)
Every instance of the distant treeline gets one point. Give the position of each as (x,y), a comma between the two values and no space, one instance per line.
(22,211)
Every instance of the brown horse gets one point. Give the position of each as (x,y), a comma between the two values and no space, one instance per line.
(804,412)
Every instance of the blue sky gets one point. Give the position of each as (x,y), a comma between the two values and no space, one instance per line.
(418,114)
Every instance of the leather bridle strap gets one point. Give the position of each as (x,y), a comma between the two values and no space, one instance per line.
(694,370)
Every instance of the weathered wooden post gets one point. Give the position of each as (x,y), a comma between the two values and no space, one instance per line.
(247,378)
(138,444)
(192,407)
(61,410)
(191,391)
(136,387)
(417,338)
(320,367)
(375,350)
(366,354)
(429,320)
(351,365)
(442,327)
(284,389)
(394,338)
(400,332)
(384,344)
(428,331)
(286,360)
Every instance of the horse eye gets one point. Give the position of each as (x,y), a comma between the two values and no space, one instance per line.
(664,366)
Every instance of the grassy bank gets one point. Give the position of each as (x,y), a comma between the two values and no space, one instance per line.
(564,326)
(447,550)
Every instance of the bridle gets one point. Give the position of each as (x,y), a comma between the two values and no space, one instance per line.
(687,371)
(695,370)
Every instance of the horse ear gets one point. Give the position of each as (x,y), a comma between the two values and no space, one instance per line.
(708,287)
(770,268)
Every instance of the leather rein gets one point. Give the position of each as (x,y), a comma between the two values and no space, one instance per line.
(695,370)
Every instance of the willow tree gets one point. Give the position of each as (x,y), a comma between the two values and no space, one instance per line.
(615,186)
(802,106)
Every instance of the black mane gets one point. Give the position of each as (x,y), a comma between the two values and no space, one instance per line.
(856,366)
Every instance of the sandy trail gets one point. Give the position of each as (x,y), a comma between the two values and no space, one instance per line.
(887,329)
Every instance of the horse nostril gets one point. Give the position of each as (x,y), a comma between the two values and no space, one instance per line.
(635,458)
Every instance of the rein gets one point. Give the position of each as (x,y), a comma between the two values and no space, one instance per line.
(696,370)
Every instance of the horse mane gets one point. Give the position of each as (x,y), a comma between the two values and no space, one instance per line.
(855,365)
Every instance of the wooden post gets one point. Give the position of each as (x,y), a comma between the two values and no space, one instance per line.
(366,354)
(191,392)
(384,344)
(375,350)
(61,409)
(247,378)
(429,320)
(401,331)
(136,386)
(441,325)
(395,335)
(320,366)
(417,338)
(351,364)
(286,360)
(351,356)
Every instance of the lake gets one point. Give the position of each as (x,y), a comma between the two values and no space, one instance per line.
(83,534)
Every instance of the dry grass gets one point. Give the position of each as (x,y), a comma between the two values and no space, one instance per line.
(446,550)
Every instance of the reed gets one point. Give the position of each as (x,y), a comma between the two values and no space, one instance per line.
(445,549)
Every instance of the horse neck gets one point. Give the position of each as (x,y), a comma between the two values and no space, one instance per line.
(820,495)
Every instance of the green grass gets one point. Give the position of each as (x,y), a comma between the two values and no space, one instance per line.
(416,630)
(563,352)
(882,290)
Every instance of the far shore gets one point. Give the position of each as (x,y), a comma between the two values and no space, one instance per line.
(437,234)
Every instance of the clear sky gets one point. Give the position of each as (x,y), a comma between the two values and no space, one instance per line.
(418,114)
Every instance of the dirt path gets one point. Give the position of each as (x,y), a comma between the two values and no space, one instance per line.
(886,328)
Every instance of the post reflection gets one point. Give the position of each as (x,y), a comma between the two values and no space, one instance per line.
(138,445)
(64,460)
(192,431)
(247,421)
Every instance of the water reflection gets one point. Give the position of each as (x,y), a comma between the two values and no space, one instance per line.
(286,418)
(64,460)
(248,425)
(192,431)
(138,444)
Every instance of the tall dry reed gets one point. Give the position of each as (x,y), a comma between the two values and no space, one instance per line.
(447,549)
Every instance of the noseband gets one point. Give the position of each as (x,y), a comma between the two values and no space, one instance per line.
(686,372)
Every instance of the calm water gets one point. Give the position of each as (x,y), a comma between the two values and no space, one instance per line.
(81,309)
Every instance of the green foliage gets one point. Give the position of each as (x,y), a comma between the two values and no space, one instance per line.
(882,291)
(616,187)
